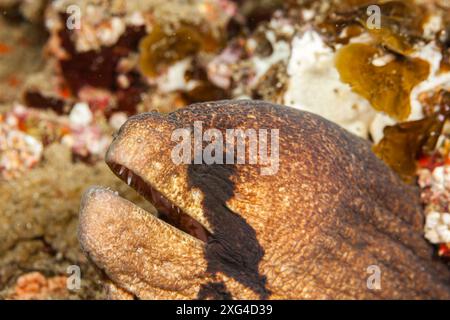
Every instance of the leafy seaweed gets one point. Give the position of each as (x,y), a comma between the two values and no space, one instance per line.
(387,87)
(404,142)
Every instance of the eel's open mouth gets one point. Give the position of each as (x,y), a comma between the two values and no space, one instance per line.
(167,211)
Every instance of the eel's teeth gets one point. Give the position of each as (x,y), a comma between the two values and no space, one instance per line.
(130,178)
(122,169)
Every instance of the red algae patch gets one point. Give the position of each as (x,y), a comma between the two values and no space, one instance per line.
(35,286)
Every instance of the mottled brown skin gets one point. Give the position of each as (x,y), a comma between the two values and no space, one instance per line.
(308,232)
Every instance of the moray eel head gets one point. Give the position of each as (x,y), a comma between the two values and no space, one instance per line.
(316,228)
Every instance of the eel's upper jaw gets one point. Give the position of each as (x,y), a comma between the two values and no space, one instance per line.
(128,243)
(130,157)
(167,210)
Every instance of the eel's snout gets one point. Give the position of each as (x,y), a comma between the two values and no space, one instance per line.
(140,139)
(128,141)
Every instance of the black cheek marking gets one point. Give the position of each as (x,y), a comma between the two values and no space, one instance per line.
(233,248)
(214,291)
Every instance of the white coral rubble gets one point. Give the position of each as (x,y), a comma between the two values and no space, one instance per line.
(436,194)
(437,227)
(18,150)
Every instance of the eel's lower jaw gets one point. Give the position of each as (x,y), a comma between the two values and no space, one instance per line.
(167,211)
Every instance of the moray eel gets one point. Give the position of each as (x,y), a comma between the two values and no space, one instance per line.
(313,230)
